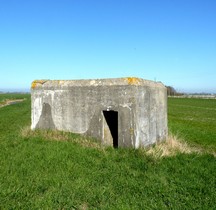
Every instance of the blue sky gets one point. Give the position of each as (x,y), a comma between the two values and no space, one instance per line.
(172,41)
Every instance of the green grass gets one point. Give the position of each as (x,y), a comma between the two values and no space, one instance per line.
(47,174)
(194,120)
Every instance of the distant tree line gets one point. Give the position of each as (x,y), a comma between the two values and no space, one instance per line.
(172,92)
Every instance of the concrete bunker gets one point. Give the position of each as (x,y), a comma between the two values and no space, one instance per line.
(123,112)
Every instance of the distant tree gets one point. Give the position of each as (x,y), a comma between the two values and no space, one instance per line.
(171,91)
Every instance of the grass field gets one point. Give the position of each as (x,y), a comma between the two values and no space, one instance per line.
(194,120)
(37,172)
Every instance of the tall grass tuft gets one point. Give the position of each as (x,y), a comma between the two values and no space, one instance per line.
(171,147)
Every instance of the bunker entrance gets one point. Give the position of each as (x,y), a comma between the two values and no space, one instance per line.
(111,118)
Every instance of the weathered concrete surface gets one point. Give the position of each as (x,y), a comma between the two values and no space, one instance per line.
(125,112)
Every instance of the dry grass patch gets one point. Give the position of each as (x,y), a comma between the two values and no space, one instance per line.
(56,135)
(171,147)
(46,134)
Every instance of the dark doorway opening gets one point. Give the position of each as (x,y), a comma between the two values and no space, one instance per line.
(112,121)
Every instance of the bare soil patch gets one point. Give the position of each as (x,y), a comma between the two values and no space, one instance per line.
(8,102)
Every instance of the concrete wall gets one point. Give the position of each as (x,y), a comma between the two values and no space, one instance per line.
(126,112)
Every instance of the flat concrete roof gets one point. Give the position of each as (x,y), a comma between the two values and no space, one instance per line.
(134,81)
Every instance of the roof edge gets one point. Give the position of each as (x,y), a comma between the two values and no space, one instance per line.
(135,81)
